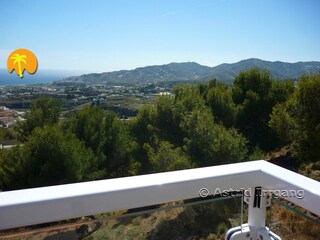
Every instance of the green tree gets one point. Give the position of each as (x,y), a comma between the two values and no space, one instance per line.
(283,123)
(143,131)
(143,125)
(166,121)
(120,149)
(50,156)
(88,125)
(254,81)
(220,100)
(298,120)
(187,98)
(7,134)
(308,116)
(44,111)
(250,93)
(255,94)
(11,168)
(280,91)
(54,156)
(209,143)
(185,125)
(165,157)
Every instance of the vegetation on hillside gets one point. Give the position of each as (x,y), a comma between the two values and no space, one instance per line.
(199,125)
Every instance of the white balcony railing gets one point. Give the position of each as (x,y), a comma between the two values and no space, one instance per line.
(46,204)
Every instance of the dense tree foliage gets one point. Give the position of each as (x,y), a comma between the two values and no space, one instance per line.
(44,111)
(221,103)
(297,121)
(49,156)
(199,125)
(87,124)
(167,158)
(255,94)
(120,149)
(209,143)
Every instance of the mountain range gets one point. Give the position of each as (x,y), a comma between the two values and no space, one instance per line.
(191,71)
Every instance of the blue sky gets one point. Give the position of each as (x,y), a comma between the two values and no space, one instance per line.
(98,35)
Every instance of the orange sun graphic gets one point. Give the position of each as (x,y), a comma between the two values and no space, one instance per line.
(20,60)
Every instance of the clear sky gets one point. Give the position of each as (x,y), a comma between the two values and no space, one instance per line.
(102,35)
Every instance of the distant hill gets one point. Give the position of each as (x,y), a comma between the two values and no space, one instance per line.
(191,71)
(169,72)
(279,70)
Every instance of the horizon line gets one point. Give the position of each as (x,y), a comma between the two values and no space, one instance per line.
(87,71)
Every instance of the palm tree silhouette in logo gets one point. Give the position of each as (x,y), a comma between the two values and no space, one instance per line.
(18,59)
(22,60)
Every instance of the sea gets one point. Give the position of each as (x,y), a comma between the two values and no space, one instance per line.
(40,77)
